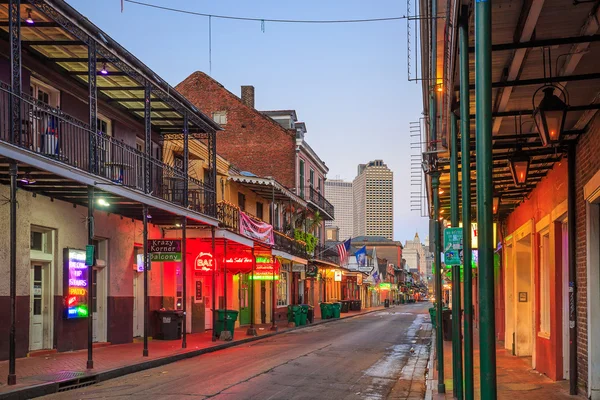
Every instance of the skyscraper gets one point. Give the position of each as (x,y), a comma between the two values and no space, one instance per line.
(373,192)
(339,193)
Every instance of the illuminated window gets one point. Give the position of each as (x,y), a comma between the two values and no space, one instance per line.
(282,289)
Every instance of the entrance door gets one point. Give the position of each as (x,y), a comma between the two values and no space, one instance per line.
(38,310)
(208,315)
(524,298)
(245,316)
(98,304)
(138,304)
(263,302)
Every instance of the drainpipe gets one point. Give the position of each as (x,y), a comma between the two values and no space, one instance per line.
(465,134)
(456,329)
(572,235)
(483,132)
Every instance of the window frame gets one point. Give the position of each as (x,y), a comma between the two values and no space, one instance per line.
(281,290)
(545,272)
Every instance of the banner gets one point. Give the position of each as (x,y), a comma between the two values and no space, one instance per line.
(260,231)
(361,257)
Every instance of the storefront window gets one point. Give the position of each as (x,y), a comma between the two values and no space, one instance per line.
(282,289)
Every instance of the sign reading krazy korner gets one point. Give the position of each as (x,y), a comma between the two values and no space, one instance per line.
(164,250)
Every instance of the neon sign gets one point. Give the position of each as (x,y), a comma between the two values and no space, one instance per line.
(204,262)
(75,284)
(385,286)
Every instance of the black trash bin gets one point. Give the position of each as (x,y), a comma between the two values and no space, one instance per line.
(386,303)
(170,322)
(447,324)
(310,314)
(345,306)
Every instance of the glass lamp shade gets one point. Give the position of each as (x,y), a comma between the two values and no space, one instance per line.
(519,168)
(495,203)
(549,116)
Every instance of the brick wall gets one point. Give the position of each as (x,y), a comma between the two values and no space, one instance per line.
(250,140)
(587,164)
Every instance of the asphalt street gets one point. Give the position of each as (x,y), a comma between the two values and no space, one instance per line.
(381,355)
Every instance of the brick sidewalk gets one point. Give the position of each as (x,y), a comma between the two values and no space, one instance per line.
(56,367)
(516,378)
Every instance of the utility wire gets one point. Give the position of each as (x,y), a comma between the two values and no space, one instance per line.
(263,20)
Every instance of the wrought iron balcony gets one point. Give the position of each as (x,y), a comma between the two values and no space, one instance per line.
(229,216)
(319,200)
(58,136)
(290,245)
(328,254)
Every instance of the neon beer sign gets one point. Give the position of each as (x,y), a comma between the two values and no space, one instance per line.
(75,284)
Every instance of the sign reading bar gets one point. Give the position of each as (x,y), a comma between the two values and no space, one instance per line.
(75,285)
(164,250)
(453,246)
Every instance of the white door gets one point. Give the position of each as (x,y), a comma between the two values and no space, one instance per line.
(208,317)
(38,306)
(99,304)
(138,304)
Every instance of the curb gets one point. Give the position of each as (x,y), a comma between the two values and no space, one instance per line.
(88,379)
(430,380)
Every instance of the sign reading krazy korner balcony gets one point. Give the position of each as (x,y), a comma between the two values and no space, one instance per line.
(164,250)
(260,231)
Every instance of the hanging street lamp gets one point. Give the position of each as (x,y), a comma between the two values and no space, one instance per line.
(496,202)
(519,167)
(550,114)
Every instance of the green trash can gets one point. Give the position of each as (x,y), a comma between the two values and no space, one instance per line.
(326,310)
(294,314)
(336,308)
(432,315)
(303,314)
(226,321)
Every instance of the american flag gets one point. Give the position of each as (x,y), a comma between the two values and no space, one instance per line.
(343,249)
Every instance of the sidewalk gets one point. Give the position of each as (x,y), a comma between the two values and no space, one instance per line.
(58,371)
(516,378)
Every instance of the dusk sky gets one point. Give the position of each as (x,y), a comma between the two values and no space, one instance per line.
(347,82)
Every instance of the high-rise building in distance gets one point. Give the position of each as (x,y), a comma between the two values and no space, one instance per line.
(373,192)
(339,193)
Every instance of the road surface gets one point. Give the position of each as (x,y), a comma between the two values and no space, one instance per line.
(381,355)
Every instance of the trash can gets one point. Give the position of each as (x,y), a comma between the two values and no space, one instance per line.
(310,313)
(355,305)
(303,313)
(225,321)
(386,303)
(345,306)
(447,324)
(293,314)
(336,307)
(170,322)
(326,311)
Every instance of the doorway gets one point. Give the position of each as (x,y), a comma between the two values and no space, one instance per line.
(39,308)
(263,302)
(509,280)
(138,303)
(523,310)
(99,292)
(245,316)
(208,315)
(593,288)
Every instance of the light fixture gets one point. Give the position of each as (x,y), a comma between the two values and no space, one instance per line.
(496,202)
(104,71)
(551,112)
(102,202)
(519,167)
(148,216)
(178,225)
(29,20)
(441,191)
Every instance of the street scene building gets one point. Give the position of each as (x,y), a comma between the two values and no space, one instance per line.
(339,194)
(373,192)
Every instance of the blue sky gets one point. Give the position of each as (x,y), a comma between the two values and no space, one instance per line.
(348,82)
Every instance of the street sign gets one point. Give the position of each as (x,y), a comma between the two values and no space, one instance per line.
(453,246)
(89,255)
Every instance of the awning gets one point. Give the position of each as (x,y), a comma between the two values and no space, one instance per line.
(287,256)
(268,188)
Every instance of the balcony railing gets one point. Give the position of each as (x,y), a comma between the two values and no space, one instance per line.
(317,198)
(290,245)
(58,136)
(327,254)
(229,216)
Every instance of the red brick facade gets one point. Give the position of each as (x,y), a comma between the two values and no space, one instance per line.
(251,141)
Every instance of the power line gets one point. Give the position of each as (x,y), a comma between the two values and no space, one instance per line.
(263,20)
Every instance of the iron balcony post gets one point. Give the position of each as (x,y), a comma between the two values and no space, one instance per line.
(90,277)
(435,185)
(147,137)
(12,375)
(93,103)
(214,283)
(146,266)
(186,156)
(273,304)
(14,10)
(465,134)
(483,139)
(252,330)
(456,303)
(224,288)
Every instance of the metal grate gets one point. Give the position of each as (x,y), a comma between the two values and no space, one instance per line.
(418,196)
